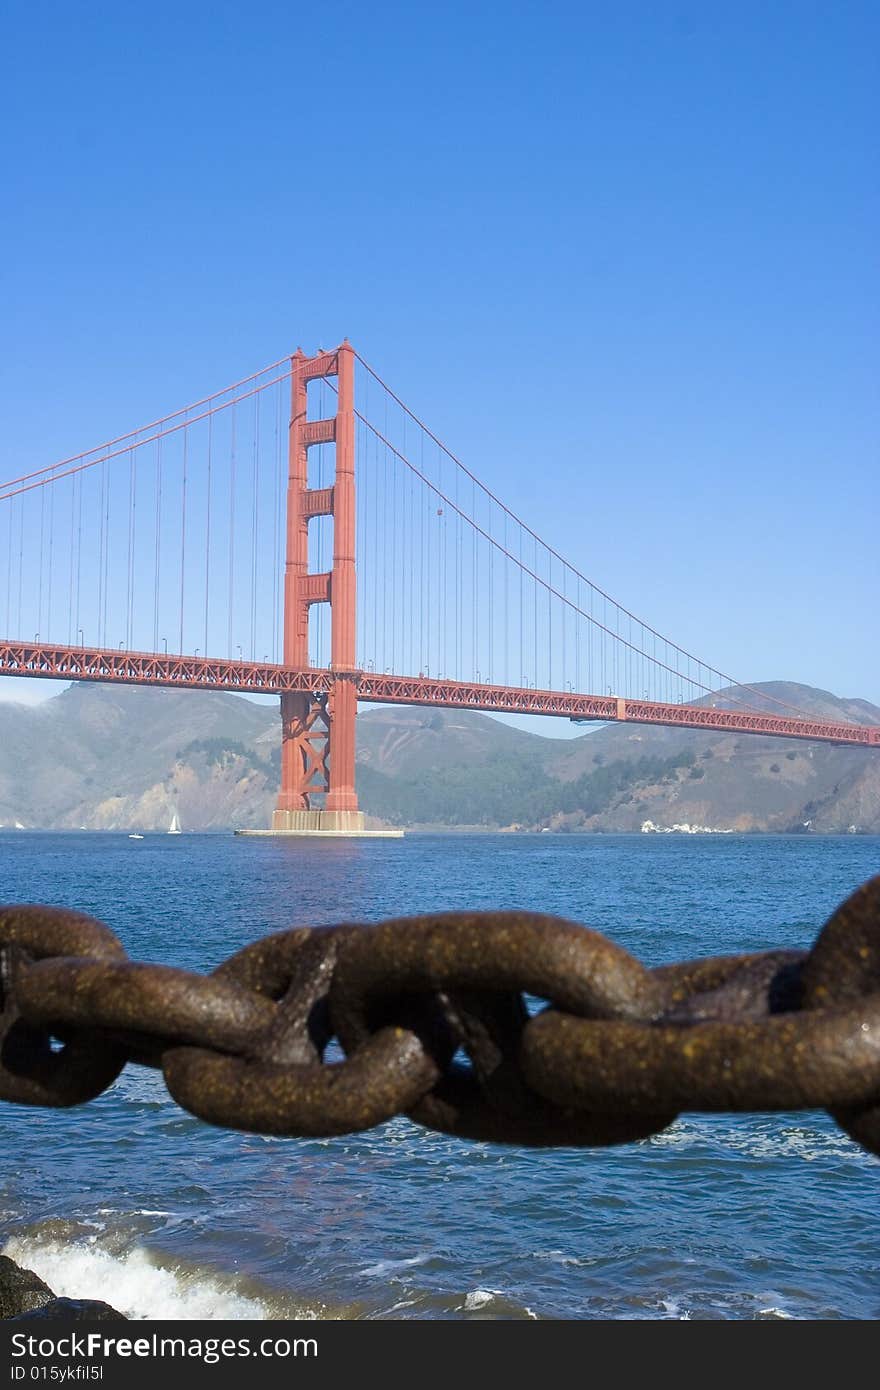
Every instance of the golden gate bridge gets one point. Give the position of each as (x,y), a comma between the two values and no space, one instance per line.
(303,533)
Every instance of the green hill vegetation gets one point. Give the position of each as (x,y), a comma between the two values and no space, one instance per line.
(117,758)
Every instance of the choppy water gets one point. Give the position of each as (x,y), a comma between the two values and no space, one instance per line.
(129,1199)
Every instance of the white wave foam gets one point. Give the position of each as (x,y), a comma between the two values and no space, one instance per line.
(383,1267)
(138,1211)
(762,1140)
(478,1298)
(132,1283)
(673,1309)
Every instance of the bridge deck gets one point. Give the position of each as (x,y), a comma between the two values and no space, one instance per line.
(250,677)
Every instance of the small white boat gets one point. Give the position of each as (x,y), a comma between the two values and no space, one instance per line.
(135,837)
(174,827)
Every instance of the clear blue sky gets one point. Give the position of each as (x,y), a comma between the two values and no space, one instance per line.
(622,257)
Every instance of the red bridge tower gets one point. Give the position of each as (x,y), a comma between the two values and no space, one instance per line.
(318,730)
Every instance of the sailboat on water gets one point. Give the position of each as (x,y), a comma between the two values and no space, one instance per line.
(174,827)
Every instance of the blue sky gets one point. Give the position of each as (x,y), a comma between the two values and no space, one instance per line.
(622,258)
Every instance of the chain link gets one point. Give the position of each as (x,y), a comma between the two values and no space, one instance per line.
(618,1051)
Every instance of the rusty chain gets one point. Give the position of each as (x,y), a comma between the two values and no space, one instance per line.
(614,1056)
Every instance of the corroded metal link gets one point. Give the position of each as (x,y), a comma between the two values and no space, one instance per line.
(576,968)
(385,1077)
(755,986)
(618,1052)
(166,1005)
(57,931)
(491,1101)
(283,1088)
(457,1106)
(844,966)
(476,965)
(788,1062)
(266,966)
(32,1071)
(765,981)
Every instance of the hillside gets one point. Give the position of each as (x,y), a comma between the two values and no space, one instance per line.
(107,757)
(423,766)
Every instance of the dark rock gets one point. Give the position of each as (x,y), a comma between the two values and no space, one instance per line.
(78,1309)
(21,1291)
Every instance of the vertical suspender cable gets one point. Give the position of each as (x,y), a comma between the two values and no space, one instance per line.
(505,580)
(440,587)
(475,588)
(158,546)
(183,531)
(378,579)
(129,585)
(70,566)
(491,581)
(133,550)
(459,596)
(422,501)
(396,562)
(414,652)
(78,485)
(229,623)
(39,623)
(51,492)
(522,605)
(385,583)
(11,514)
(208,525)
(255,495)
(20,561)
(535,612)
(107,554)
(549,620)
(99,639)
(275,514)
(390,493)
(577,682)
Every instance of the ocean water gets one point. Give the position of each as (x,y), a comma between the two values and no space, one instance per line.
(736,1217)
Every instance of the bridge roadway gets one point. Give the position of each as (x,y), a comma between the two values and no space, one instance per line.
(254,677)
